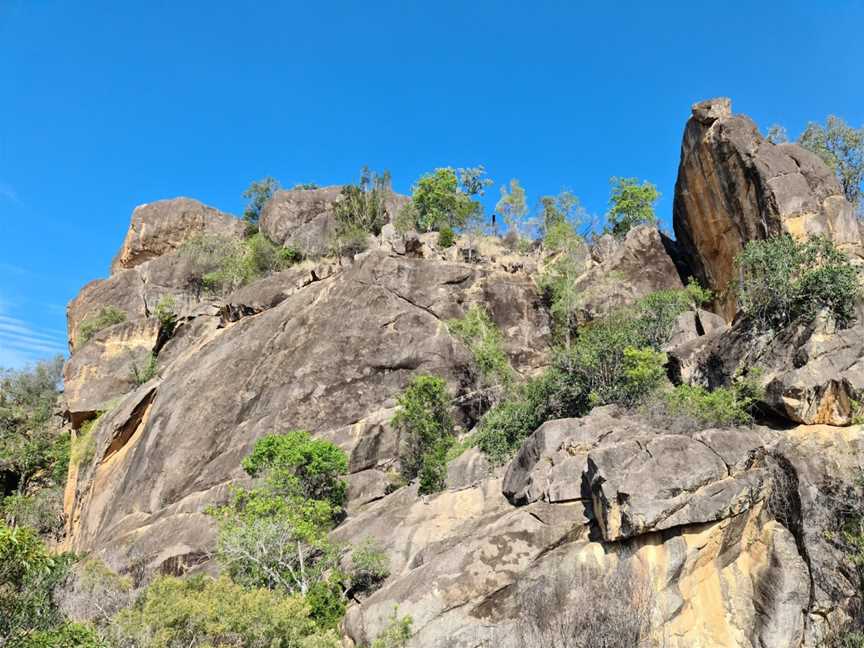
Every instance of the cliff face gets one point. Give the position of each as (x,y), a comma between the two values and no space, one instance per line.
(734,186)
(727,525)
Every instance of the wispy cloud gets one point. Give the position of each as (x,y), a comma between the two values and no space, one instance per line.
(21,343)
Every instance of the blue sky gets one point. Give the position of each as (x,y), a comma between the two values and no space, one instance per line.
(106,105)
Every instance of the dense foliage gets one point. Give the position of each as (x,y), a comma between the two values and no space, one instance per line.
(484,339)
(425,432)
(444,198)
(224,263)
(784,280)
(630,204)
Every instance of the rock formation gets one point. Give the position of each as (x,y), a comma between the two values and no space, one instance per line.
(734,186)
(727,526)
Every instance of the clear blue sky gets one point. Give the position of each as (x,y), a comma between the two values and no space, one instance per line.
(106,105)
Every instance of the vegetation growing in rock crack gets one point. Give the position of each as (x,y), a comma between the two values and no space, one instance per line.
(486,343)
(425,430)
(617,359)
(361,211)
(94,322)
(223,263)
(784,281)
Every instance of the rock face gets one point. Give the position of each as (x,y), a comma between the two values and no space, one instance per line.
(811,373)
(303,218)
(163,226)
(329,358)
(734,186)
(627,271)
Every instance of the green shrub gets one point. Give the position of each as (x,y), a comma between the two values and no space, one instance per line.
(84,443)
(145,373)
(31,444)
(305,186)
(700,408)
(425,431)
(225,263)
(67,635)
(360,211)
(369,566)
(438,200)
(200,611)
(29,576)
(41,511)
(275,535)
(166,312)
(397,634)
(446,237)
(784,280)
(483,338)
(630,204)
(106,316)
(298,464)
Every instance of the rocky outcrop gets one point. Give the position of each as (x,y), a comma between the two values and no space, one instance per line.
(628,270)
(328,358)
(734,186)
(812,373)
(304,219)
(163,226)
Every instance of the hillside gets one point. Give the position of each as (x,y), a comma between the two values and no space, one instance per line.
(683,523)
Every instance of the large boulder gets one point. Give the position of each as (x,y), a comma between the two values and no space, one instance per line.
(304,218)
(629,270)
(734,186)
(163,226)
(812,373)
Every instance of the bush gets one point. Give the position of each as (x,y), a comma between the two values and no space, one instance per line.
(425,432)
(67,635)
(446,237)
(31,444)
(275,535)
(166,312)
(369,566)
(29,576)
(630,204)
(225,263)
(360,211)
(397,634)
(145,373)
(438,201)
(298,464)
(41,511)
(784,280)
(84,444)
(200,611)
(95,322)
(692,407)
(483,338)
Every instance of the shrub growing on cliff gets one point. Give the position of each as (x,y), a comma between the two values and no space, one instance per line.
(224,263)
(784,280)
(200,611)
(94,322)
(483,338)
(630,204)
(425,432)
(360,211)
(275,534)
(443,199)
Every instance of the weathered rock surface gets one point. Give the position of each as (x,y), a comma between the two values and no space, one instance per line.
(734,186)
(163,226)
(634,268)
(328,358)
(303,218)
(812,373)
